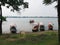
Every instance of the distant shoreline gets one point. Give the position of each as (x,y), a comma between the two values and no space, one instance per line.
(28,17)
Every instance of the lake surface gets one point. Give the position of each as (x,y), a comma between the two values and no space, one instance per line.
(22,24)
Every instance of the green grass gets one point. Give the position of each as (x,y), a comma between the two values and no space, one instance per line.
(37,38)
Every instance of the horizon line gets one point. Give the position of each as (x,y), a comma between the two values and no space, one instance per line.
(30,17)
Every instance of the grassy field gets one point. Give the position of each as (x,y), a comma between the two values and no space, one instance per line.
(35,38)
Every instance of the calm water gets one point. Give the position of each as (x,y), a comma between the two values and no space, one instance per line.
(24,25)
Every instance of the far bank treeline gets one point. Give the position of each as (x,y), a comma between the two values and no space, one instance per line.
(3,18)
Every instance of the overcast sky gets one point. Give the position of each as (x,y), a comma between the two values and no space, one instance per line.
(36,8)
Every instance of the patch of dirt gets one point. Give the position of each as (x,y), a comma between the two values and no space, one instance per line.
(41,32)
(10,39)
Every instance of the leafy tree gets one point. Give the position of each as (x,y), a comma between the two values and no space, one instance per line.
(47,2)
(15,6)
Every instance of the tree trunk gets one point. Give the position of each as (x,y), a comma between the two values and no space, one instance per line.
(58,20)
(0,20)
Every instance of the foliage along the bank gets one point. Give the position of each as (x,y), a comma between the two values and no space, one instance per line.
(3,18)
